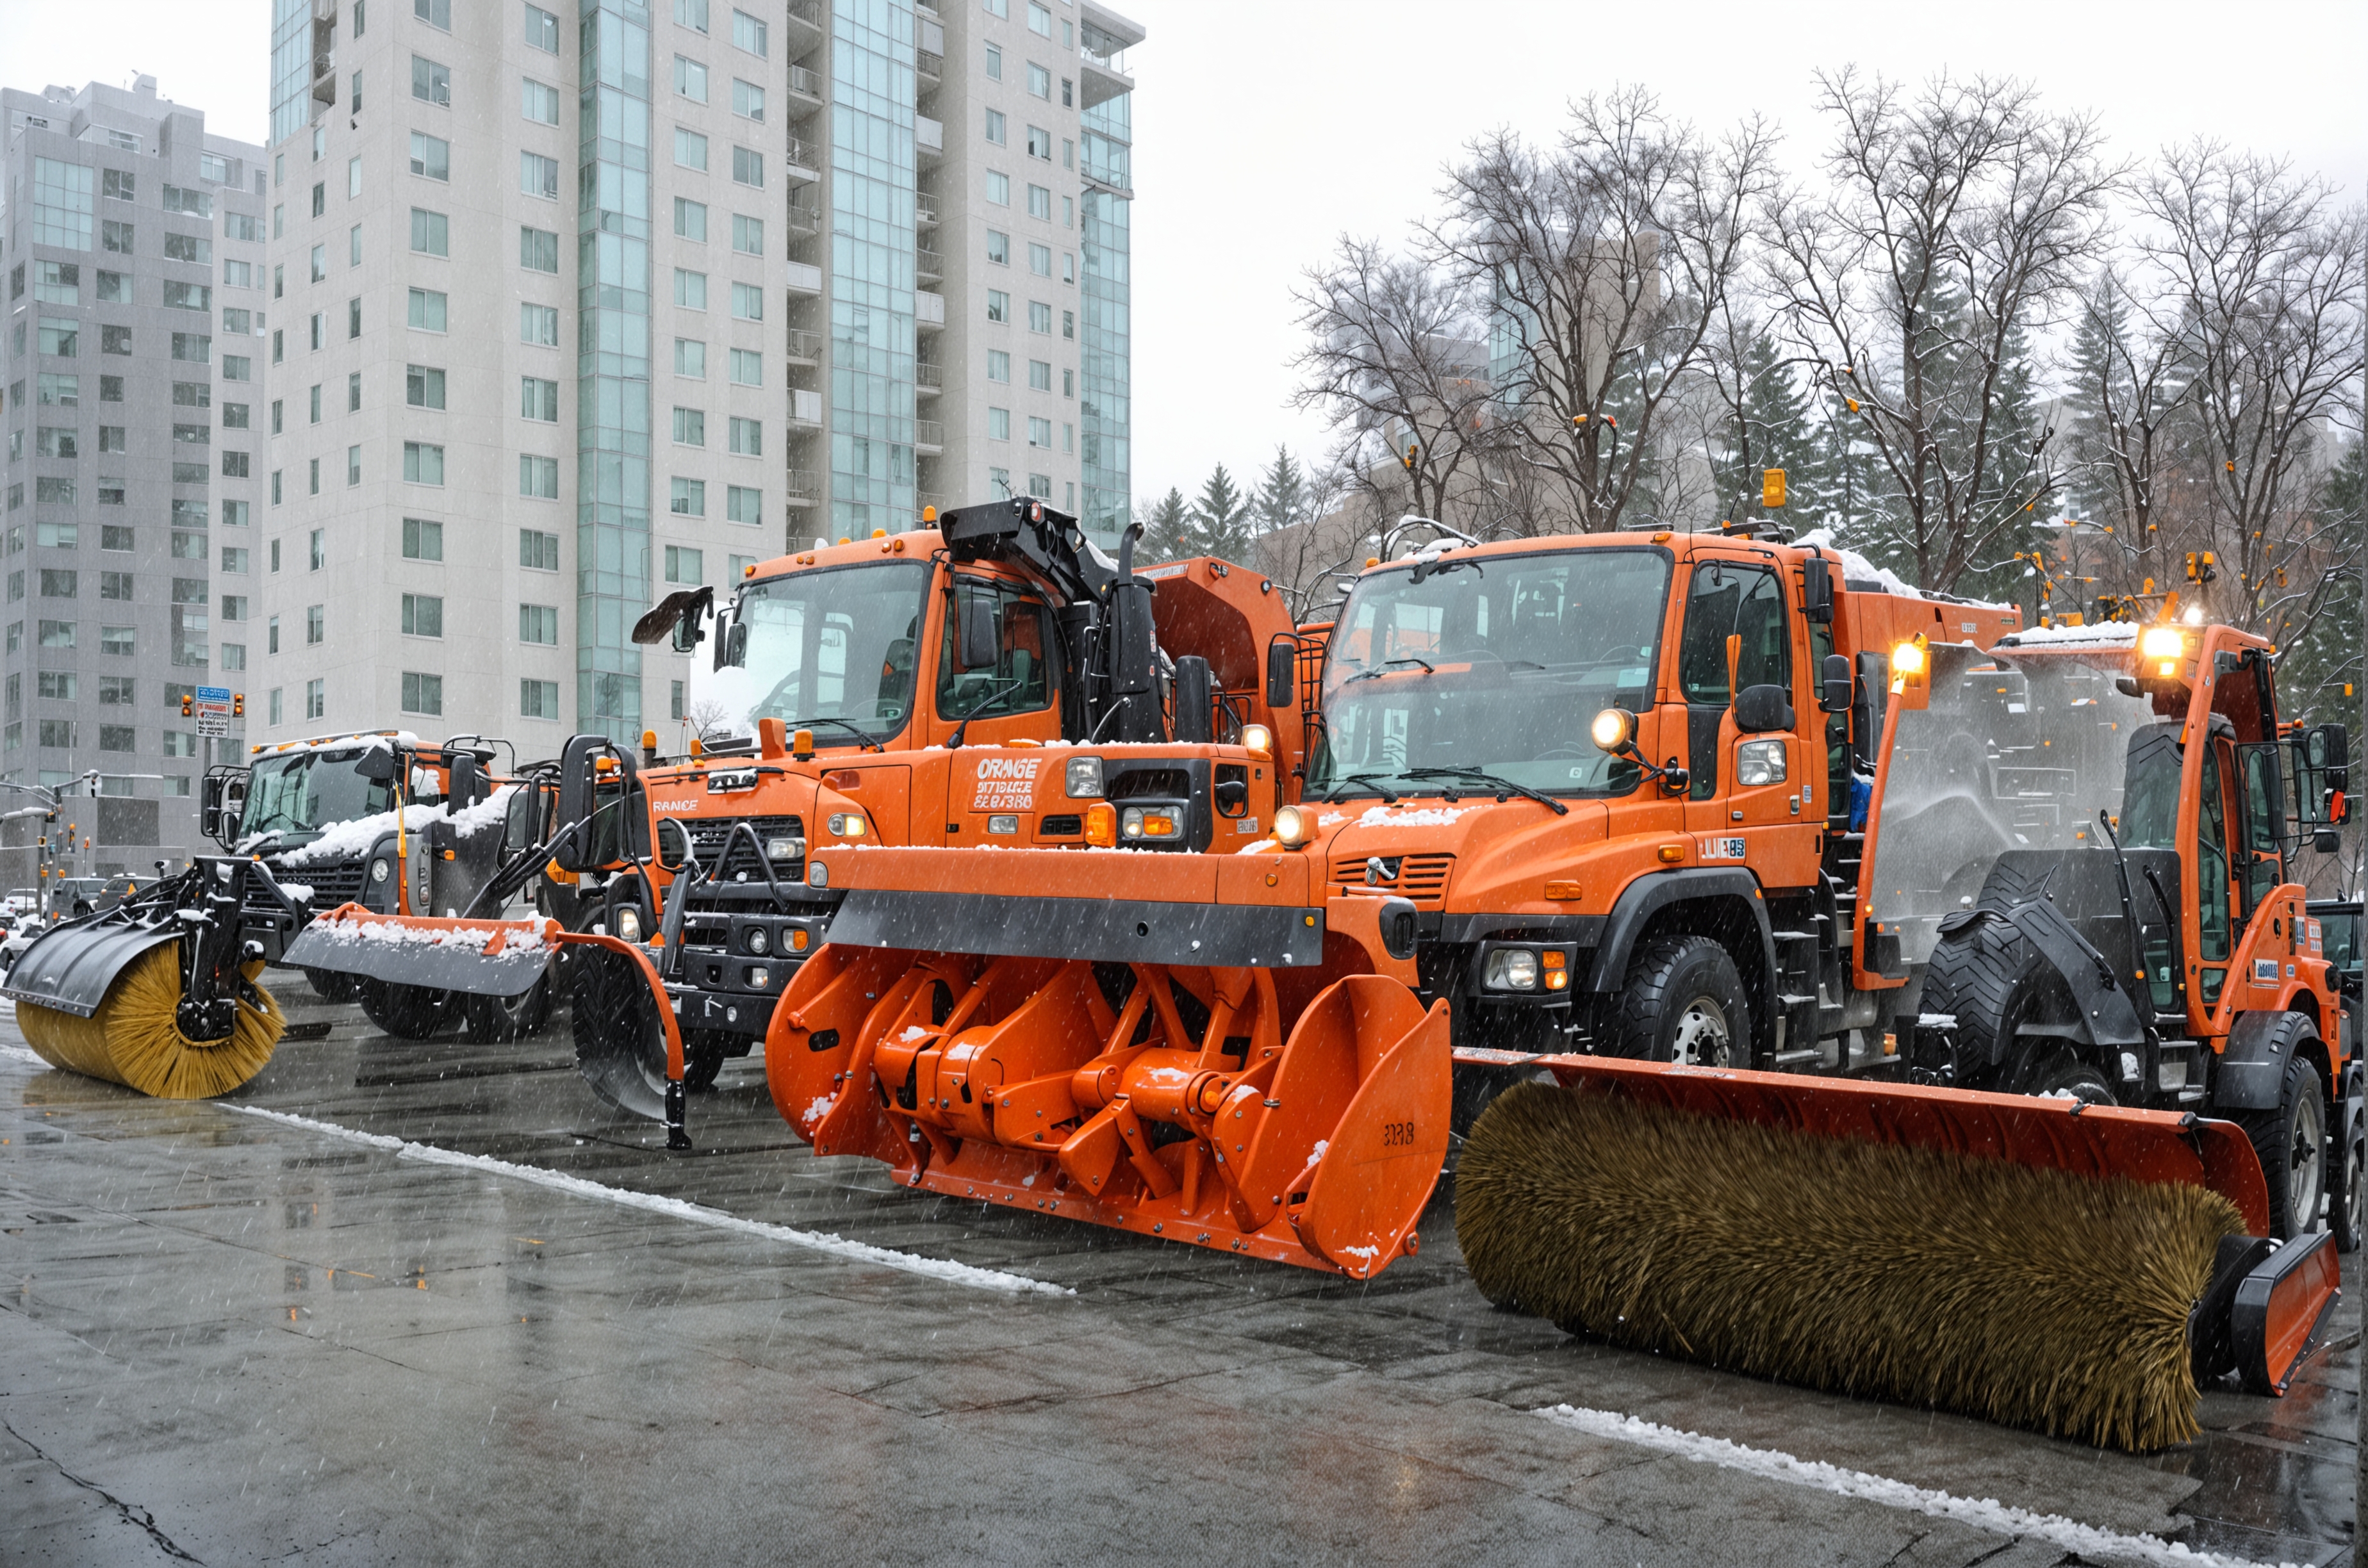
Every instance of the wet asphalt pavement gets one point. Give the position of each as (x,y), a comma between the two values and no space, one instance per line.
(230,1338)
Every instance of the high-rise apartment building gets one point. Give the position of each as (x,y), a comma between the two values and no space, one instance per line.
(131,243)
(578,302)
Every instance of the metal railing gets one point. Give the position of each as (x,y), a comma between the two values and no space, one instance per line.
(927,262)
(806,83)
(929,63)
(804,344)
(803,220)
(927,375)
(803,153)
(806,11)
(802,484)
(925,210)
(928,433)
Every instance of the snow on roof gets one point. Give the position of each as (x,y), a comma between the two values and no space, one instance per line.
(1857,569)
(345,840)
(2104,634)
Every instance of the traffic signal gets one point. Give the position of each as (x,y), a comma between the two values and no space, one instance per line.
(1414,450)
(189,705)
(1771,487)
(238,705)
(2199,566)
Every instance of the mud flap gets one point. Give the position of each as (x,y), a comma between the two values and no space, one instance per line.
(480,958)
(72,968)
(2278,1308)
(1379,1158)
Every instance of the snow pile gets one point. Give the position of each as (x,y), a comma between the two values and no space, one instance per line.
(940,1269)
(2104,634)
(525,938)
(1857,568)
(1418,817)
(346,840)
(1936,1020)
(1984,1514)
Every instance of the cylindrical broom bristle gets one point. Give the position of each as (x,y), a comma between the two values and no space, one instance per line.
(134,1040)
(2033,1297)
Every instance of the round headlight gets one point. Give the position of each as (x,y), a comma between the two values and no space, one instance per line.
(1907,659)
(1614,729)
(758,939)
(847,825)
(1293,826)
(2163,642)
(1511,969)
(1258,738)
(378,870)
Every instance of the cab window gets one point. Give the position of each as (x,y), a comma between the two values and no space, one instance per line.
(1727,600)
(1021,679)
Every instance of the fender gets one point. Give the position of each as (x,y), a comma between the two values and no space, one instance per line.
(2253,1063)
(1655,890)
(2108,1016)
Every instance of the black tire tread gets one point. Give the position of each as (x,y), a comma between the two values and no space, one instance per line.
(1632,1019)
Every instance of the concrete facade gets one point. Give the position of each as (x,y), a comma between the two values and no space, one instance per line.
(131,243)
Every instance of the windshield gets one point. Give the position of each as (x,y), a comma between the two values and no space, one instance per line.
(1493,663)
(832,651)
(297,796)
(2011,753)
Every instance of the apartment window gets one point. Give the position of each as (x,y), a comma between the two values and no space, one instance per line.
(999,188)
(316,698)
(235,465)
(998,424)
(538,699)
(116,691)
(353,178)
(60,634)
(748,368)
(994,63)
(1040,433)
(57,686)
(273,705)
(316,625)
(998,247)
(431,232)
(1068,267)
(743,503)
(689,428)
(55,390)
(423,386)
(538,552)
(691,14)
(537,101)
(58,732)
(747,234)
(237,323)
(1040,376)
(320,262)
(279,348)
(747,301)
(747,438)
(747,99)
(688,498)
(234,606)
(538,325)
(691,220)
(423,463)
(422,693)
(1039,202)
(437,14)
(60,584)
(430,82)
(1040,260)
(998,305)
(114,288)
(748,167)
(234,367)
(116,237)
(747,33)
(60,336)
(1039,81)
(539,477)
(315,483)
(1039,316)
(998,481)
(354,393)
(994,127)
(539,175)
(539,623)
(1040,143)
(690,288)
(59,441)
(422,540)
(56,536)
(690,359)
(115,340)
(537,250)
(1039,484)
(423,614)
(1040,20)
(1069,324)
(689,79)
(689,149)
(538,399)
(1068,211)
(59,282)
(111,437)
(998,365)
(315,396)
(431,157)
(542,30)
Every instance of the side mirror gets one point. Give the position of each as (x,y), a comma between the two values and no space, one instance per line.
(1817,592)
(1281,672)
(579,795)
(2326,841)
(1761,708)
(674,845)
(2330,750)
(209,807)
(467,779)
(723,631)
(732,647)
(378,765)
(687,632)
(1835,687)
(982,641)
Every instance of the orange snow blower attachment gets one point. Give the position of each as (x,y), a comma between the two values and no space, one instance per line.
(2043,1262)
(1078,1061)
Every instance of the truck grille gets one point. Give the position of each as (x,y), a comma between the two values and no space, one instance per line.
(708,835)
(1421,878)
(338,882)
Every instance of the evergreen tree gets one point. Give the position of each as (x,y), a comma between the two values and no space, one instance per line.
(1167,527)
(1222,524)
(1776,428)
(1282,493)
(2326,659)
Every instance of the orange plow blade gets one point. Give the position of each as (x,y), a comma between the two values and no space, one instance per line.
(2072,1268)
(1171,1101)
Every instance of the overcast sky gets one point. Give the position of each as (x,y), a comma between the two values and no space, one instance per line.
(1264,129)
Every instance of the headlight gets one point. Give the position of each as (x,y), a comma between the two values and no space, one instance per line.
(1759,762)
(1003,825)
(1084,779)
(784,848)
(1152,822)
(378,870)
(1907,659)
(817,874)
(848,825)
(2163,642)
(629,924)
(760,977)
(1293,826)
(1510,969)
(758,939)
(1614,730)
(1258,738)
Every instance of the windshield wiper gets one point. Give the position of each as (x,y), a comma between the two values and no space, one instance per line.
(1385,663)
(1504,786)
(862,736)
(1389,796)
(995,691)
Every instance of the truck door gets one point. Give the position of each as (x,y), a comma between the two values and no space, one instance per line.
(1731,600)
(2215,922)
(1017,697)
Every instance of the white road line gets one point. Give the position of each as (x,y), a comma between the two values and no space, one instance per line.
(675,1208)
(1769,1465)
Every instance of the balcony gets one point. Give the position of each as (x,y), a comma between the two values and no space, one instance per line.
(929,309)
(925,211)
(929,438)
(804,159)
(804,347)
(806,86)
(805,278)
(928,378)
(803,487)
(807,14)
(928,137)
(804,222)
(927,265)
(805,408)
(928,67)
(1103,38)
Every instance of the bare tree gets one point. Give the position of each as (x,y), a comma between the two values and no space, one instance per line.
(1958,221)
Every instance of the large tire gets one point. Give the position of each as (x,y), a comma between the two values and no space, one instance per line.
(2067,1073)
(1987,976)
(2347,1206)
(703,1051)
(2292,1143)
(330,986)
(408,1012)
(619,1040)
(498,1020)
(1683,1001)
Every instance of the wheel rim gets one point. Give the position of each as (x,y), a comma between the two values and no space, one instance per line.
(1703,1037)
(2304,1170)
(2355,1186)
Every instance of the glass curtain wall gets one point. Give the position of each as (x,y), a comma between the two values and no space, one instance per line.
(612,366)
(1105,345)
(291,67)
(871,266)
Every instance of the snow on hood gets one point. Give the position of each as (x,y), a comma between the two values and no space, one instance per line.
(345,840)
(516,939)
(1418,817)
(1858,568)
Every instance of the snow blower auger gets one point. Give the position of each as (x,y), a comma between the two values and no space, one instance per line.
(2048,1263)
(158,994)
(1126,1038)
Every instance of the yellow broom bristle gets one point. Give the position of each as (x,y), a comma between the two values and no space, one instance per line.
(133,1038)
(2032,1298)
